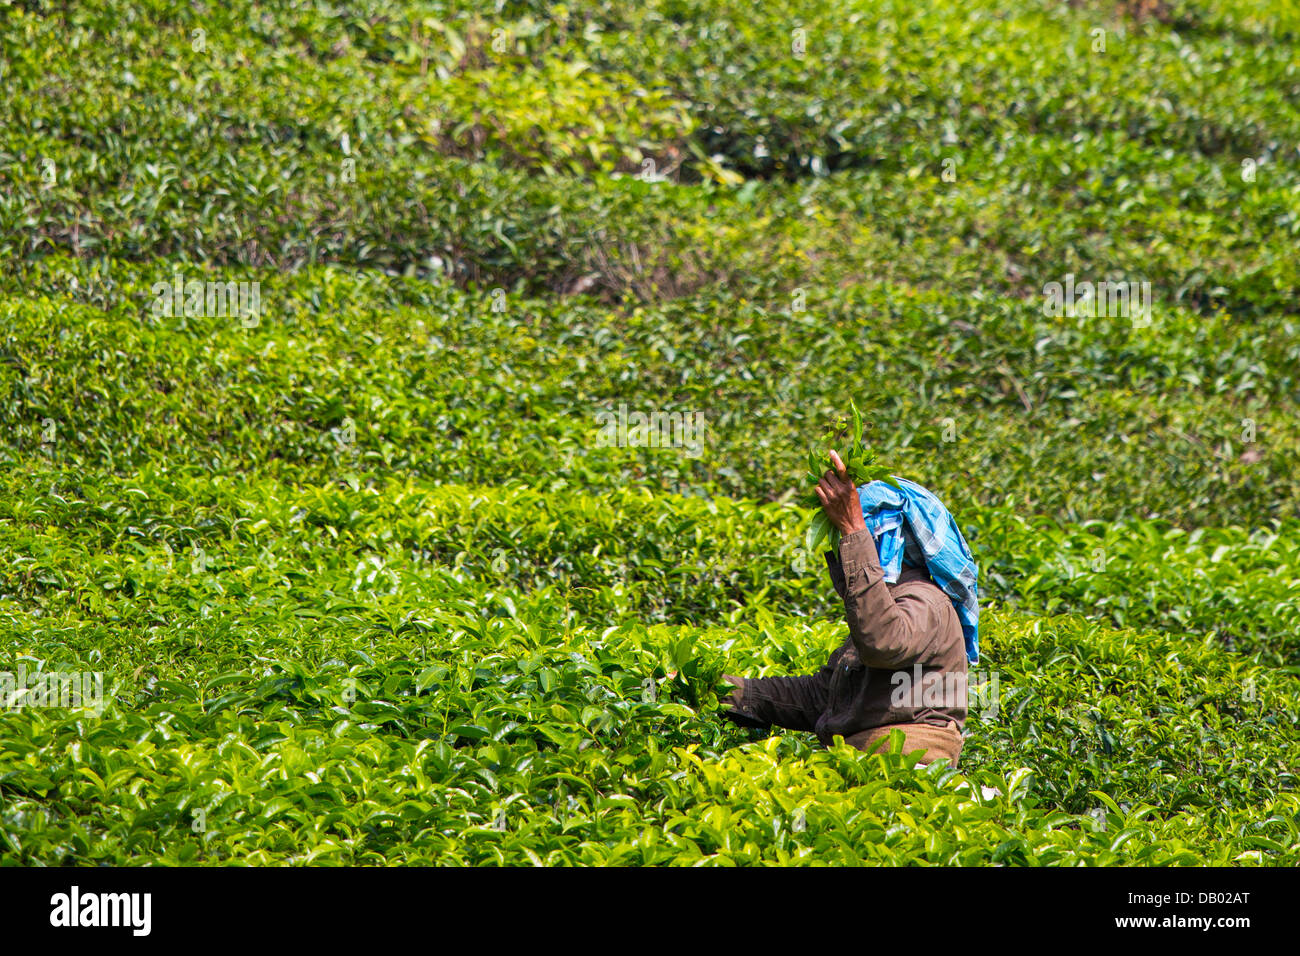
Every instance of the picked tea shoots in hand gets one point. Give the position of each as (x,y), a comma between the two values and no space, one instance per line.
(859,463)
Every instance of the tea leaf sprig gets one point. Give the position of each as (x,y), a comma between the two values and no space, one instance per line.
(860,465)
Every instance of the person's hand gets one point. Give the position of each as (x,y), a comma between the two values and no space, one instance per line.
(733,699)
(840,499)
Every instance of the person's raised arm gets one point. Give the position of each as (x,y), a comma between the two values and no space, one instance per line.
(887,633)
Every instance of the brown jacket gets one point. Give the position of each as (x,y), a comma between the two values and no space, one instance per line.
(897,632)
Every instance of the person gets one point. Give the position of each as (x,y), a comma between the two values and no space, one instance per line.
(899,631)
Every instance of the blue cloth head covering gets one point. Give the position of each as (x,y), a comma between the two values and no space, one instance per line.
(911,526)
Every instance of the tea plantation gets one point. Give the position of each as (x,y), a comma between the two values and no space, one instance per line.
(365,584)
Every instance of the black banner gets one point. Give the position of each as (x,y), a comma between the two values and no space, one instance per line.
(349,906)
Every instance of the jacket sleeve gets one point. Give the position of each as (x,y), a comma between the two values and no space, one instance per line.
(888,632)
(791,702)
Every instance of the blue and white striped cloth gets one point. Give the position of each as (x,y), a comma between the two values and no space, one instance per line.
(912,526)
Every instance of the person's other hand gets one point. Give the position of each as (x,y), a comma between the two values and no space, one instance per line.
(733,699)
(839,498)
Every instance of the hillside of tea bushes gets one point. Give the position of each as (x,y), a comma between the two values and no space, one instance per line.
(366,585)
